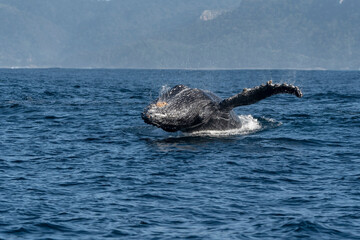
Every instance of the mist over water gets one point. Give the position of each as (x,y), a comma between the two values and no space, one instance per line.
(78,162)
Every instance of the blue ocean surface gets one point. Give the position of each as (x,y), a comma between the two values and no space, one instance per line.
(78,162)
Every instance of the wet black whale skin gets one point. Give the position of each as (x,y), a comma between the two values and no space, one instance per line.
(190,109)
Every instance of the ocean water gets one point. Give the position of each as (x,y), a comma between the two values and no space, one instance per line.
(78,162)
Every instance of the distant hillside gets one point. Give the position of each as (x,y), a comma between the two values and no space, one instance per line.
(263,34)
(180,33)
(87,33)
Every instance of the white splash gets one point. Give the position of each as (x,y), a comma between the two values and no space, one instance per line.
(341,1)
(249,125)
(163,90)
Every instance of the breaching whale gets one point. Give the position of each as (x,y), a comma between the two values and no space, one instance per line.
(190,109)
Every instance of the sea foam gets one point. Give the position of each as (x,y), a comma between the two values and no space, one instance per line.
(249,125)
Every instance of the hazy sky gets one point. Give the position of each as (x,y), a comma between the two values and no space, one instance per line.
(180,34)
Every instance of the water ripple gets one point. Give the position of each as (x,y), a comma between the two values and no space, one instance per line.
(78,162)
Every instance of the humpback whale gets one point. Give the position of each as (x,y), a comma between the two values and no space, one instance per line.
(190,109)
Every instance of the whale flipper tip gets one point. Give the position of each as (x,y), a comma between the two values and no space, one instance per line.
(298,92)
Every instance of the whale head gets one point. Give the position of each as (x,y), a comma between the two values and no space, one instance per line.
(179,109)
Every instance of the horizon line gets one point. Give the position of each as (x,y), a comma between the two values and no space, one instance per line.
(185,69)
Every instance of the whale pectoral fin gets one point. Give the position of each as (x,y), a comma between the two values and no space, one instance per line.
(252,95)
